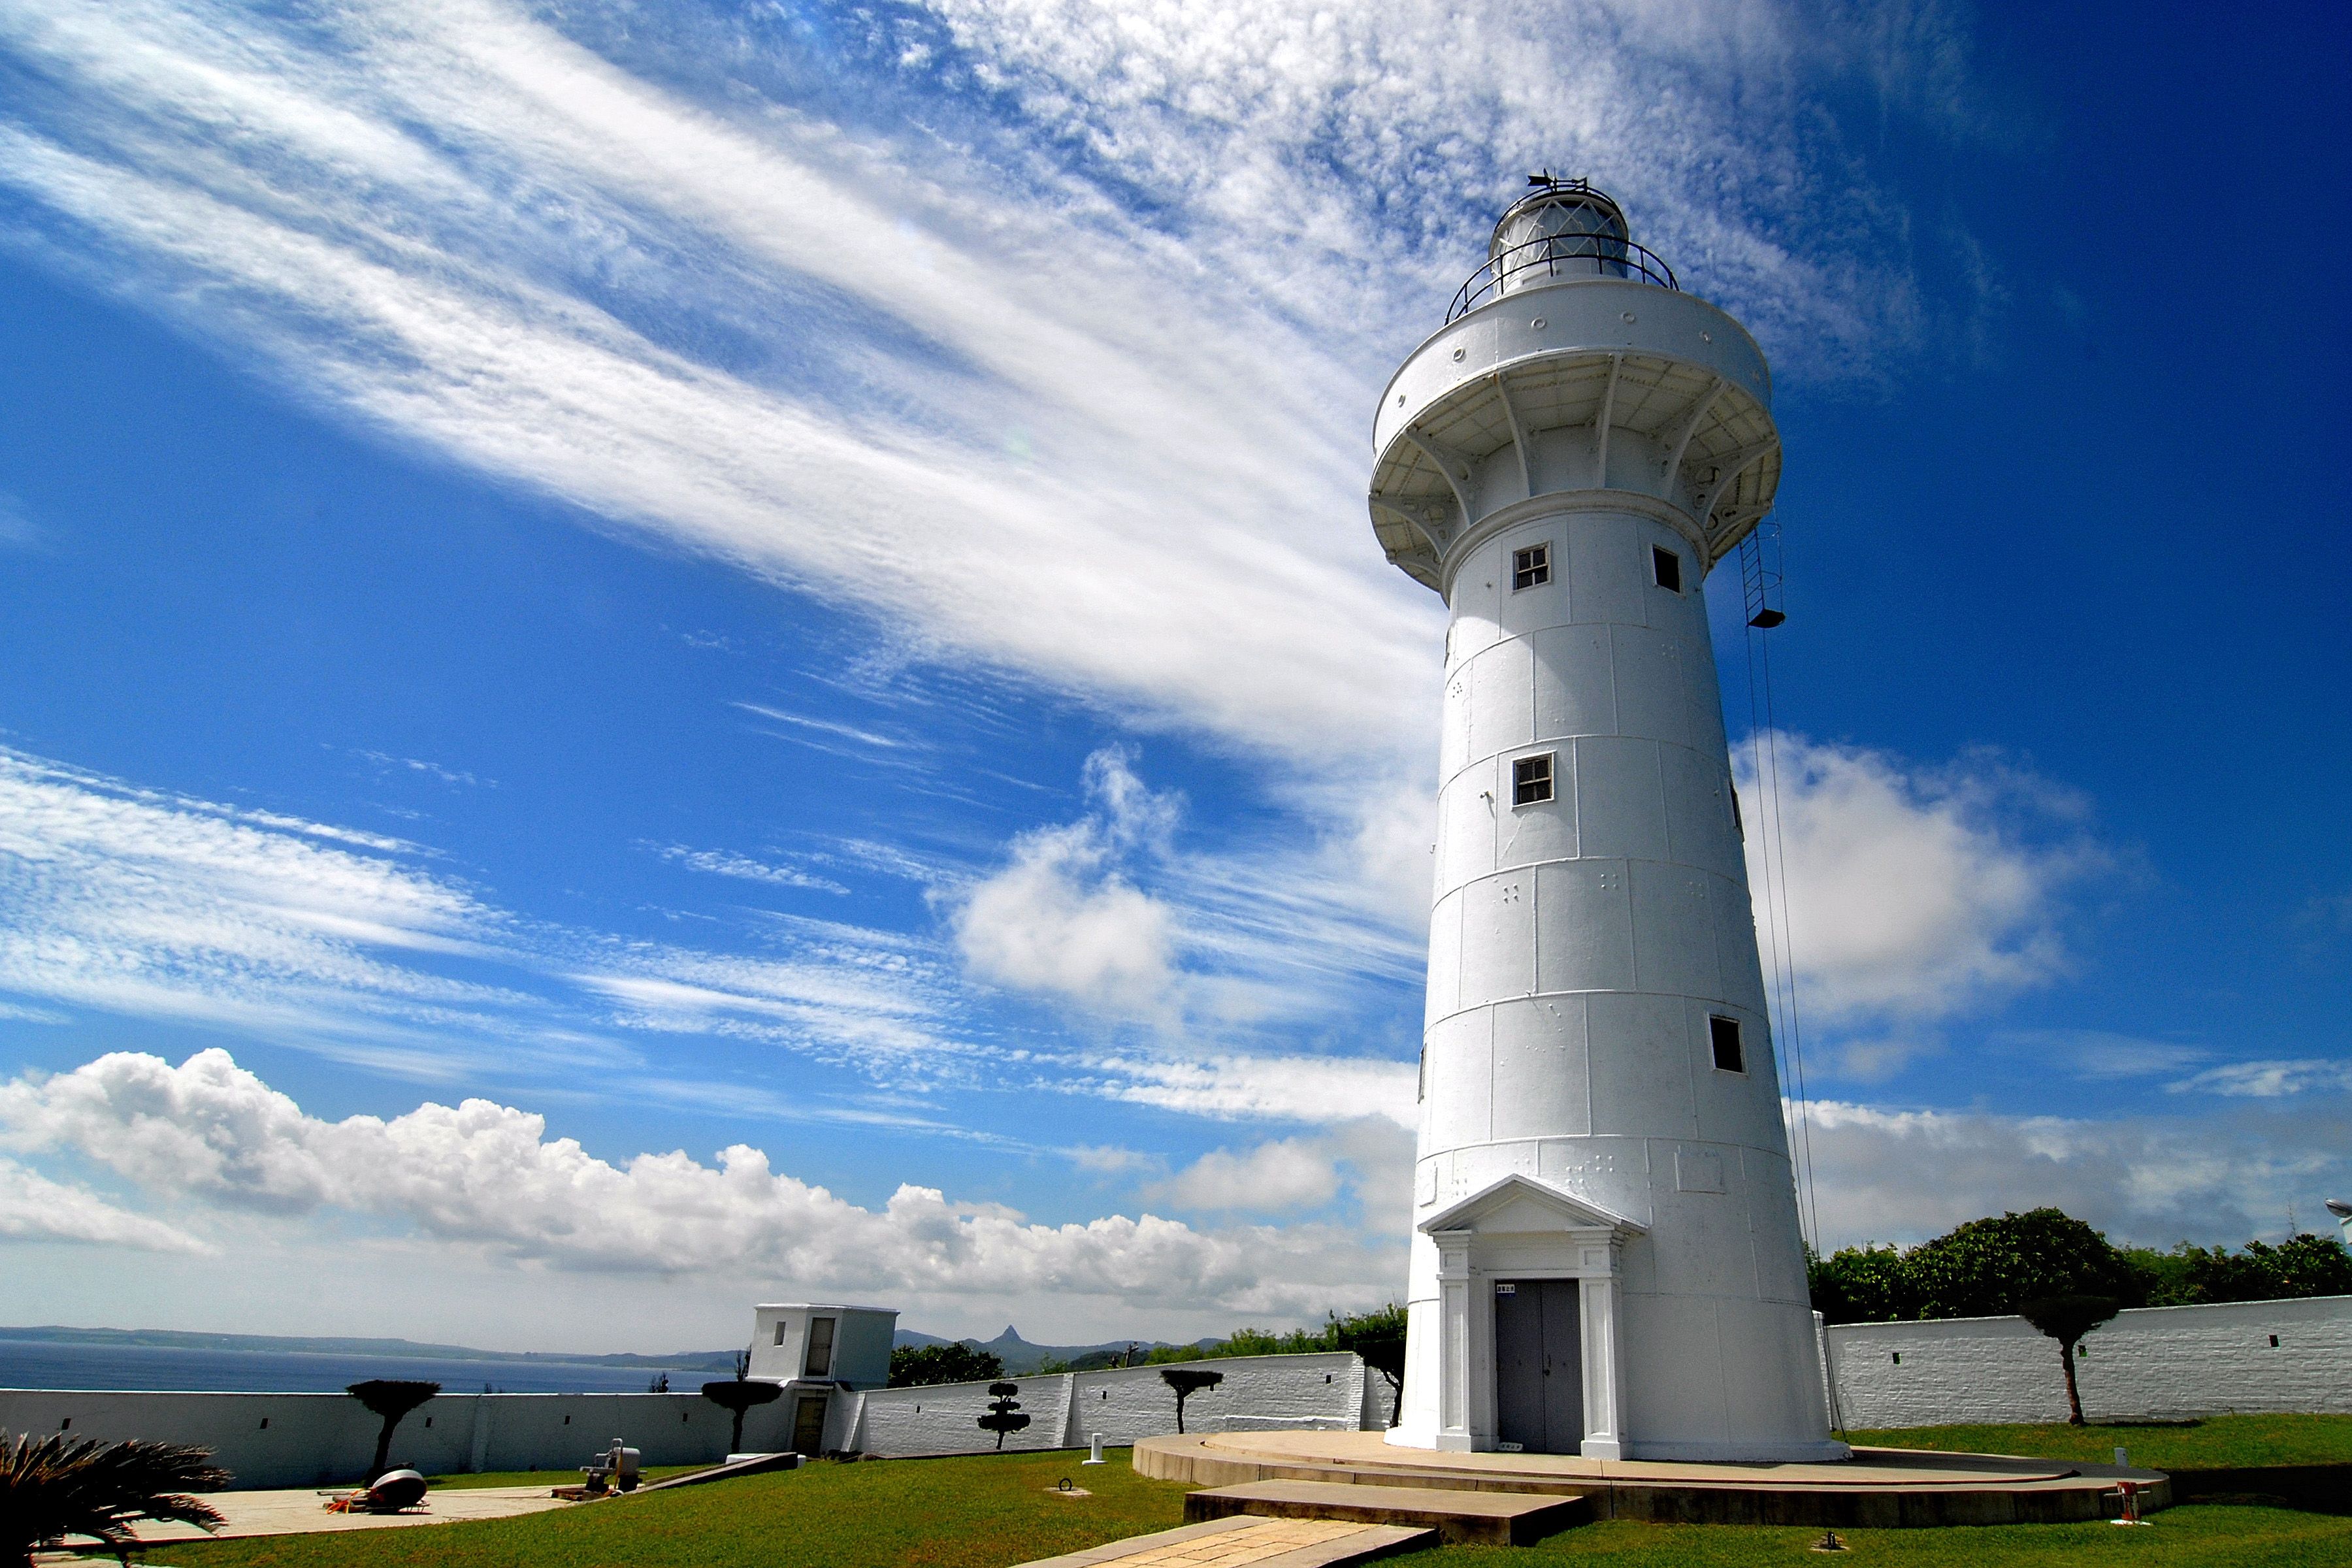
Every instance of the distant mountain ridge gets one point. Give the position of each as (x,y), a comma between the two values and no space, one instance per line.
(313,1344)
(1020,1358)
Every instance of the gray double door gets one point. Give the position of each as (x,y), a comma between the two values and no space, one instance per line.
(1538,1366)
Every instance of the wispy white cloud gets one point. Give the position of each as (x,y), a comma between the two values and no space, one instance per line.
(16,530)
(1277,1088)
(863,737)
(447,775)
(727,863)
(165,906)
(1124,339)
(2271,1080)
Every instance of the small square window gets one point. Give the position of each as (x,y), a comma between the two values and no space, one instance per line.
(1667,566)
(1531,780)
(1530,567)
(1724,1033)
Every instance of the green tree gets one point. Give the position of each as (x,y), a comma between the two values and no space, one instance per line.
(921,1366)
(1989,1267)
(2067,1319)
(54,1487)
(1868,1284)
(2301,1265)
(1188,1381)
(389,1398)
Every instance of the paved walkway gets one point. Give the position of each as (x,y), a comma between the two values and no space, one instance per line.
(1251,1543)
(303,1512)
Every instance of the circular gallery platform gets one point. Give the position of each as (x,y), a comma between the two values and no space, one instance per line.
(1878,1488)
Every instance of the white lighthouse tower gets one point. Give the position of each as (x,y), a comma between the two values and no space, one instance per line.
(1606,1258)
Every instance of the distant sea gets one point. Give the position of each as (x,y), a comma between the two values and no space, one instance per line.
(48,1364)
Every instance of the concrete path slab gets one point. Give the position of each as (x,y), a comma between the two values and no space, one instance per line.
(1461,1518)
(1253,1543)
(304,1511)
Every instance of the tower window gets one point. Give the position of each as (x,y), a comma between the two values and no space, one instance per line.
(1667,566)
(1531,780)
(1724,1034)
(1530,567)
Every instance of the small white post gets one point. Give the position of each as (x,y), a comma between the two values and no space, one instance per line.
(1094,1450)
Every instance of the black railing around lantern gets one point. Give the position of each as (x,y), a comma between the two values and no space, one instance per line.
(1562,256)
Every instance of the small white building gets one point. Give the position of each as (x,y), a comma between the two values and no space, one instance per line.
(817,1351)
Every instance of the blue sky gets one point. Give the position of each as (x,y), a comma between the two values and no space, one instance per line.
(651,658)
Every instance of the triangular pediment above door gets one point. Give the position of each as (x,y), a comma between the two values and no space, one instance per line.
(1520,1206)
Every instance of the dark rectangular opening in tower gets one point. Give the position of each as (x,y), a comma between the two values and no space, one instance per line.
(1725,1034)
(1531,780)
(1530,567)
(1668,567)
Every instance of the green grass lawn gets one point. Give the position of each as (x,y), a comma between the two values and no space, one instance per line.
(2220,1442)
(993,1510)
(2181,1537)
(544,1478)
(983,1512)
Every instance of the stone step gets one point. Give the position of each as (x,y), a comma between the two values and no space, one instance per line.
(1459,1517)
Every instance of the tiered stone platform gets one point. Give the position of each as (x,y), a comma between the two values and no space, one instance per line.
(1878,1488)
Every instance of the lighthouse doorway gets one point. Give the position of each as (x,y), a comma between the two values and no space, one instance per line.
(1539,1366)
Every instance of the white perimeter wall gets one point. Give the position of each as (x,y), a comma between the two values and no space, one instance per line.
(1323,1390)
(313,1439)
(2151,1362)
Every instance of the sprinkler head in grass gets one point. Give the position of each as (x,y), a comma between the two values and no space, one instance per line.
(1829,1542)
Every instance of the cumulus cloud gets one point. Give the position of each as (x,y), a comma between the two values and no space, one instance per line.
(1063,918)
(1910,892)
(35,1208)
(1111,913)
(1375,1157)
(209,1134)
(1288,1173)
(1904,1176)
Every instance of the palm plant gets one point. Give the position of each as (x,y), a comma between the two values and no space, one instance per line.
(54,1487)
(390,1398)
